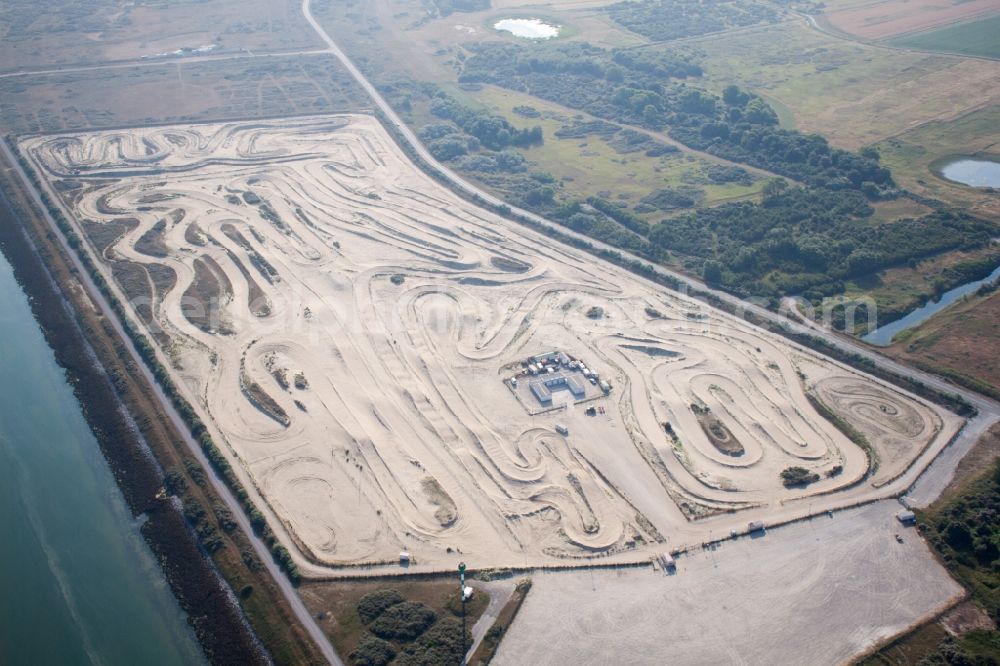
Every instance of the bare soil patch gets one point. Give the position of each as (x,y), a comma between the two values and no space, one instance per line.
(207,296)
(882,20)
(966,617)
(720,436)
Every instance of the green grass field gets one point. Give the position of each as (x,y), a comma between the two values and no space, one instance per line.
(853,94)
(591,165)
(976,38)
(911,154)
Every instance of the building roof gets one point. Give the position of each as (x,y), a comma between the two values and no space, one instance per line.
(541,391)
(575,385)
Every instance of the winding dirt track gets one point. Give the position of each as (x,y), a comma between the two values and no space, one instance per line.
(347,326)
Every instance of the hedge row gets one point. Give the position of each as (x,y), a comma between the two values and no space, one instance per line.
(145,349)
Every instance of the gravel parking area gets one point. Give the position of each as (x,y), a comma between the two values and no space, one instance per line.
(817,592)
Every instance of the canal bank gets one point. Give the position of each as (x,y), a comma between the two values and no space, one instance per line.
(104,381)
(883,335)
(78,582)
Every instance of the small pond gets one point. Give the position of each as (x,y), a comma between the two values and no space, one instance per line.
(972,171)
(528,28)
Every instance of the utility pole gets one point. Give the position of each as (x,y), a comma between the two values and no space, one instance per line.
(461,595)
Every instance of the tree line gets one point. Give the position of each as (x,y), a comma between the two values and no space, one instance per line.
(652,90)
(810,233)
(671,19)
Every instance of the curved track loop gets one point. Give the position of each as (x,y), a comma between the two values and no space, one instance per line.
(361,324)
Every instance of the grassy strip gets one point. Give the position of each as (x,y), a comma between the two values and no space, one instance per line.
(963,527)
(849,431)
(217,622)
(910,648)
(148,354)
(965,531)
(491,642)
(970,383)
(977,37)
(230,549)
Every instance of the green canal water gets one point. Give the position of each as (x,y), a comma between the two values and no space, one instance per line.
(77,583)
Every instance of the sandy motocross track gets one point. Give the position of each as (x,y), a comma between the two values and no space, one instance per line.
(348,328)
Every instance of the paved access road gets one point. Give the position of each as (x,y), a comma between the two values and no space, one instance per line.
(500,592)
(260,548)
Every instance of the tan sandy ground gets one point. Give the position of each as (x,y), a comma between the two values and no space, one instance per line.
(362,323)
(891,18)
(819,593)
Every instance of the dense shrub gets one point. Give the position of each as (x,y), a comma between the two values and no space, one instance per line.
(798,476)
(720,174)
(403,621)
(671,198)
(491,130)
(965,531)
(442,644)
(449,147)
(504,161)
(374,603)
(671,19)
(646,88)
(437,131)
(620,215)
(813,238)
(372,651)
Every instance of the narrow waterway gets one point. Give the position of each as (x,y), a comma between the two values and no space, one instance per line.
(883,335)
(77,583)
